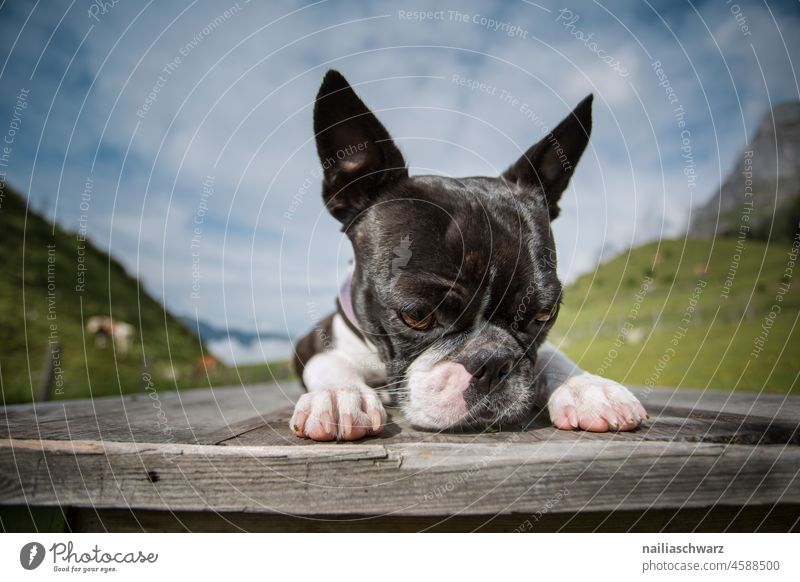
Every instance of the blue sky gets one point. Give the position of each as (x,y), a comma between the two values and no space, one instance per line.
(233,103)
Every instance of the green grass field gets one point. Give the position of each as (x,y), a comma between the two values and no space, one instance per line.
(39,302)
(694,325)
(677,332)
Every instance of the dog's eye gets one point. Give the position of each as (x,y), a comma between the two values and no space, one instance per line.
(414,322)
(545,315)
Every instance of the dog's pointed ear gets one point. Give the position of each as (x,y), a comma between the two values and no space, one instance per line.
(550,163)
(358,156)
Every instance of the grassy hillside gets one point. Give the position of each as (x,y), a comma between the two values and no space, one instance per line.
(673,313)
(39,302)
(684,328)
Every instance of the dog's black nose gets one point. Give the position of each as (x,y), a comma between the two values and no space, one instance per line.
(488,369)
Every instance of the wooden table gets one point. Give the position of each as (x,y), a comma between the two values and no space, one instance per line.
(224,460)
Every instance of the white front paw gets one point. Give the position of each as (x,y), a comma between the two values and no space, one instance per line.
(346,414)
(594,403)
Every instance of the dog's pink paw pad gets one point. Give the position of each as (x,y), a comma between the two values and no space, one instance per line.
(339,413)
(594,404)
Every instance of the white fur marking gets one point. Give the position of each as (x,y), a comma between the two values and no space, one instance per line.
(339,404)
(577,399)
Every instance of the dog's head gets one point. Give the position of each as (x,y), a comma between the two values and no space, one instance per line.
(455,279)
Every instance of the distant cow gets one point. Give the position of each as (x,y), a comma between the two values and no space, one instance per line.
(104,328)
(207,364)
(701,270)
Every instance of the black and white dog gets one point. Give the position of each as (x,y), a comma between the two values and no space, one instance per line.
(453,290)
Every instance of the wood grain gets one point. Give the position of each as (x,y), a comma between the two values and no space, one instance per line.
(412,478)
(193,416)
(230,452)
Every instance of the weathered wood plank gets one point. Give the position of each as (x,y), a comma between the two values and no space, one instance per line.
(207,416)
(780,407)
(193,416)
(666,424)
(406,479)
(693,457)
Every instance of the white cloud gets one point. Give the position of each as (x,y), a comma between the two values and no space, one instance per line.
(233,352)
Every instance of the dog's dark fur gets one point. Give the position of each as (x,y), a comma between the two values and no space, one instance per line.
(453,290)
(481,248)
